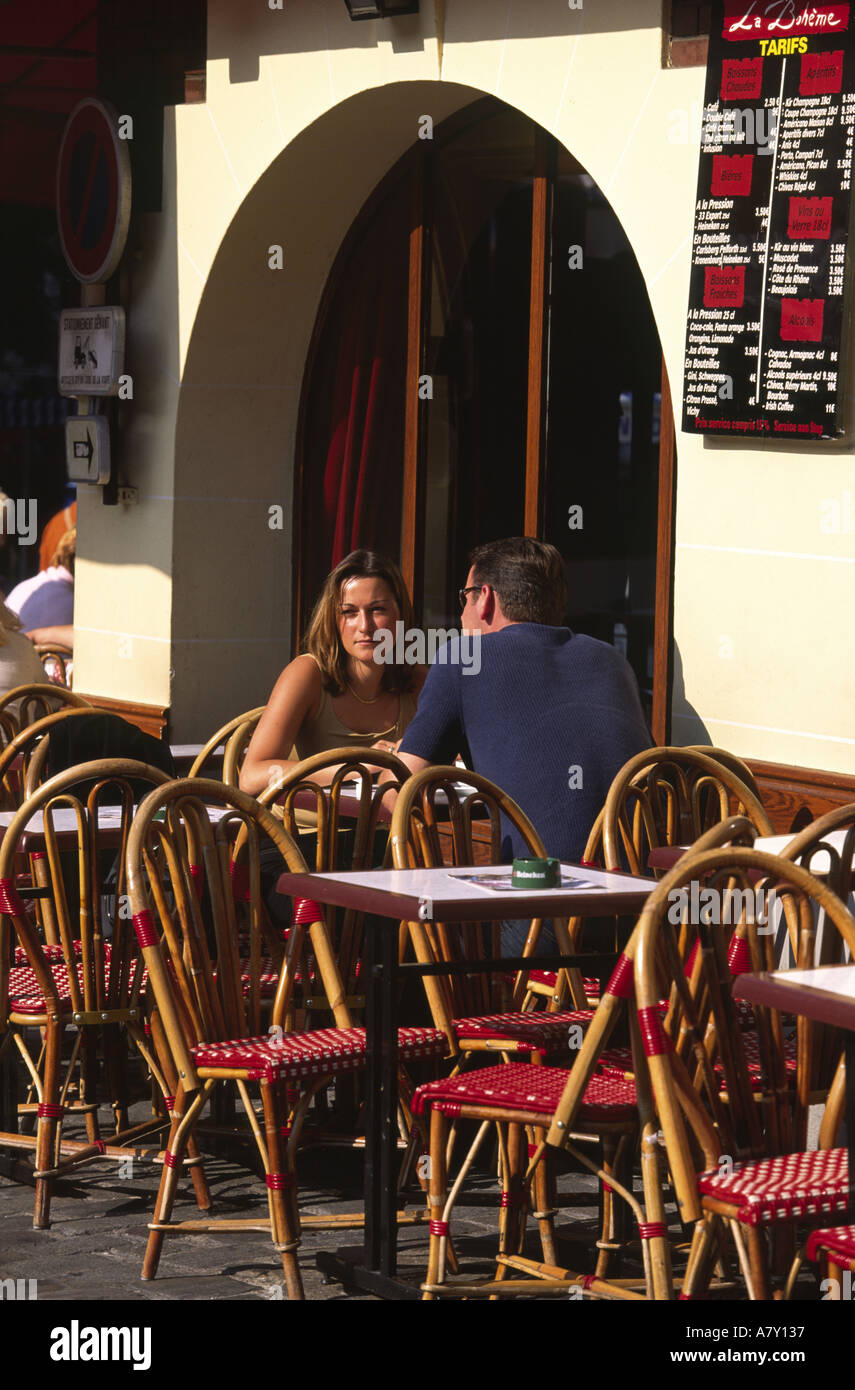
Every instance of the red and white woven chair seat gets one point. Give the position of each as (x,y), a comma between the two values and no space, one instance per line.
(751,1047)
(836,1241)
(617,1061)
(321,1052)
(531,1089)
(25,994)
(268,976)
(544,1032)
(54,953)
(782,1188)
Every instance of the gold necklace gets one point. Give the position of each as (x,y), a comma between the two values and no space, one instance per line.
(372,701)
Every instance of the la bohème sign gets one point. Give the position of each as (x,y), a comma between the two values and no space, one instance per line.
(765,341)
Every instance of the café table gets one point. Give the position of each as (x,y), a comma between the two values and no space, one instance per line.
(666,856)
(387,897)
(825,994)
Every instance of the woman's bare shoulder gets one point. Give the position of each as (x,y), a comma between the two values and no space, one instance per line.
(300,680)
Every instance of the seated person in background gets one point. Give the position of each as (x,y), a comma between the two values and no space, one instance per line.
(336,694)
(19,661)
(54,529)
(45,603)
(551,716)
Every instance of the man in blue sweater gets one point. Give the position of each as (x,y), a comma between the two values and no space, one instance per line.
(551,716)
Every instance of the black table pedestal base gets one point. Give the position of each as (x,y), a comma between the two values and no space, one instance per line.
(346,1266)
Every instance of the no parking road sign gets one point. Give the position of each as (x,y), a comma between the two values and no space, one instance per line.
(93,191)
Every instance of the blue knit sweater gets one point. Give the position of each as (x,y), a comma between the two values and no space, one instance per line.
(550,717)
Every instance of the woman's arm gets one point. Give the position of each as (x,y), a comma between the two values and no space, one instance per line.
(295,697)
(62,636)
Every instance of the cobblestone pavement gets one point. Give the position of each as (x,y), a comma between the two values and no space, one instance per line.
(94,1247)
(93,1250)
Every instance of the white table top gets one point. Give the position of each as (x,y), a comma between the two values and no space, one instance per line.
(834,979)
(65,819)
(819,864)
(435,894)
(188,752)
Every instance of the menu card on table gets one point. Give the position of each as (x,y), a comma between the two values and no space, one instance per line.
(764,342)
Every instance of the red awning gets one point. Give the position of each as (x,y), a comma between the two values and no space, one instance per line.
(47,63)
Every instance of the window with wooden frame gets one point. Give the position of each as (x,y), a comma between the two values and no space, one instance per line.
(485,363)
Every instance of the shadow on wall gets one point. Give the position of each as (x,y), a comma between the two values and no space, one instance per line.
(687,727)
(303,26)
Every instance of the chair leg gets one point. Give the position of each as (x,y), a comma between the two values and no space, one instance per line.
(613,1232)
(284,1230)
(88,1064)
(701,1256)
(545,1202)
(759,1262)
(835,1274)
(437,1196)
(164,1057)
(514,1193)
(48,1130)
(180,1129)
(115,1073)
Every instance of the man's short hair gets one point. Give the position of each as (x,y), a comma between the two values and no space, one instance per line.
(528,575)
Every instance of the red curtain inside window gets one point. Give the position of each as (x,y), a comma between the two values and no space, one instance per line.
(353,442)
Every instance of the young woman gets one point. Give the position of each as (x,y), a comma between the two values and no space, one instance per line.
(336,694)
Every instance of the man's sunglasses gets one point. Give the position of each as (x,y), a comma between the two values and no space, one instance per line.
(461,593)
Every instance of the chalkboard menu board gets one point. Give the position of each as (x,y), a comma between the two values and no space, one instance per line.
(766,304)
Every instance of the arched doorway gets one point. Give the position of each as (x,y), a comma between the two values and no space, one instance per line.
(484,363)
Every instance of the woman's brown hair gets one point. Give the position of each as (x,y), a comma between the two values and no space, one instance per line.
(322,638)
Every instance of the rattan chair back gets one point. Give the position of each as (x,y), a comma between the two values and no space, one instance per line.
(235,750)
(433,825)
(197,768)
(26,703)
(57,662)
(670,796)
(80,960)
(195,889)
(339,826)
(23,760)
(701,1050)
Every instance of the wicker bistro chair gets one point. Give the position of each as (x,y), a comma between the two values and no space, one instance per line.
(485,1014)
(33,701)
(57,662)
(759,1186)
(561,1106)
(663,801)
(210,1015)
(835,1247)
(729,760)
(473,1011)
(197,768)
(836,863)
(341,837)
(236,745)
(76,967)
(670,796)
(22,761)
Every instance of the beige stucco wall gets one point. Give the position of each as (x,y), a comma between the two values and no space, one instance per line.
(305,111)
